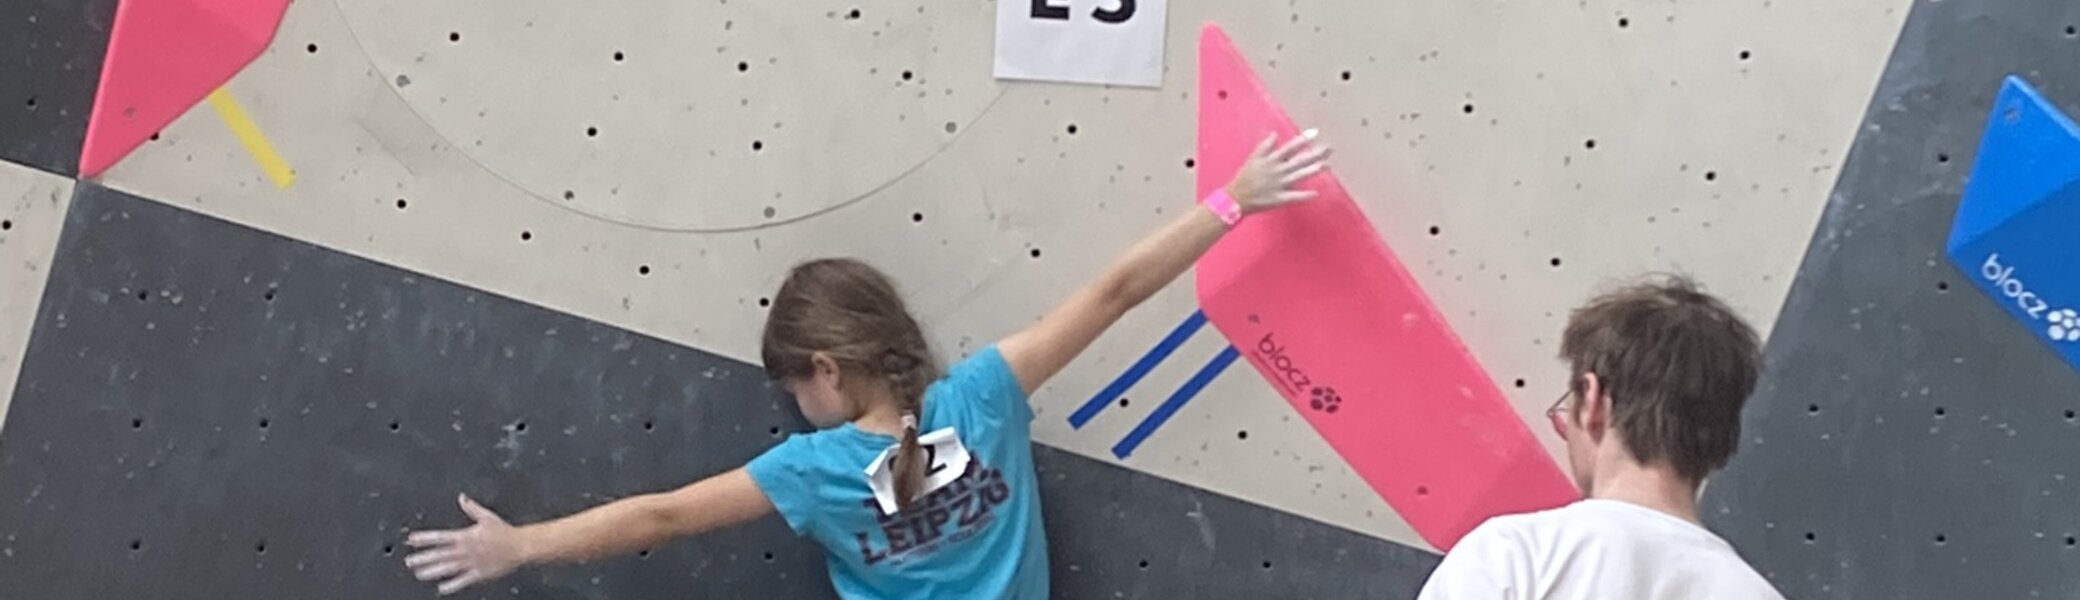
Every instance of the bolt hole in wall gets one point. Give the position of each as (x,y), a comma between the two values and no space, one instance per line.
(1943,286)
(917,217)
(454,37)
(765,302)
(618,56)
(1035,252)
(6,225)
(311,48)
(1190,164)
(401,204)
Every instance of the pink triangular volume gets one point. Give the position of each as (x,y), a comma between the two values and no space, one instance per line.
(1323,309)
(163,57)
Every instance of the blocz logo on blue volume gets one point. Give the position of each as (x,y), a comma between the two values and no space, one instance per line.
(2061,324)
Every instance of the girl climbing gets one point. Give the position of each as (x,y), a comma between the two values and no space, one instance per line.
(917,485)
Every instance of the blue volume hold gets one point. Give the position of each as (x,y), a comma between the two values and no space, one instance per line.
(2017,231)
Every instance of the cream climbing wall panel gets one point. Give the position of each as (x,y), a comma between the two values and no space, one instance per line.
(659,165)
(32,213)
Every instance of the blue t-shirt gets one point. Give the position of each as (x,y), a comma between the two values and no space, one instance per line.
(977,537)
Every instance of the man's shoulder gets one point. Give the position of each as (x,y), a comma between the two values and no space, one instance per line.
(1518,525)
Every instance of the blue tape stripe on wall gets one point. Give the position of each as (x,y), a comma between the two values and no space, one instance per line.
(1140,369)
(1184,394)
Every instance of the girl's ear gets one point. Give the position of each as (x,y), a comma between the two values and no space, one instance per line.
(823,366)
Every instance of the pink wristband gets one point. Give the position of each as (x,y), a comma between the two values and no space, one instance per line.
(1224,207)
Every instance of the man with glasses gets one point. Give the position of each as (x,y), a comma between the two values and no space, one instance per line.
(1660,371)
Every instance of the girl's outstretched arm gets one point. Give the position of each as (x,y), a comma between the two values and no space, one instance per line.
(1263,183)
(491,548)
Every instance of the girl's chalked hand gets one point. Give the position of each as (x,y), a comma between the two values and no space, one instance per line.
(1266,180)
(460,558)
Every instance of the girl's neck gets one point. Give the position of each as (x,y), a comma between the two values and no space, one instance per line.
(882,415)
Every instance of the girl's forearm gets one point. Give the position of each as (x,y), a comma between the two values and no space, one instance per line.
(616,528)
(1151,264)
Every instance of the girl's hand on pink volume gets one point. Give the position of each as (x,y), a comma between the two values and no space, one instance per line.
(1266,180)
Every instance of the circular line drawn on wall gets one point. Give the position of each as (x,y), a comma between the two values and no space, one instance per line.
(667,113)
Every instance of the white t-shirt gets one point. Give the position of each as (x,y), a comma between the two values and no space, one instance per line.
(1594,550)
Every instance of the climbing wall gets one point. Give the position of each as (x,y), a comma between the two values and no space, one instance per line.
(32,210)
(651,169)
(1911,439)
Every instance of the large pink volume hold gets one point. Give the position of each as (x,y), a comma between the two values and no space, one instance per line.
(163,57)
(1324,310)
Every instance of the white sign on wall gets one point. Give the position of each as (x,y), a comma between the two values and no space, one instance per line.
(1117,42)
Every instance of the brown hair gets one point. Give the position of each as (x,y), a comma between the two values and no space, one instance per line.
(851,312)
(1678,365)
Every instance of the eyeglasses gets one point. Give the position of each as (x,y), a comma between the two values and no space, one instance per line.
(1553,414)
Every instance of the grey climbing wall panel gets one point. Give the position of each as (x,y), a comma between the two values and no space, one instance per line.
(50,64)
(207,410)
(1114,533)
(211,411)
(1909,440)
